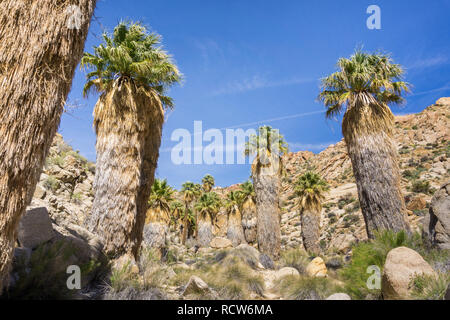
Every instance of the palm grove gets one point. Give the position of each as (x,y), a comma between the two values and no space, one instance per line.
(131,72)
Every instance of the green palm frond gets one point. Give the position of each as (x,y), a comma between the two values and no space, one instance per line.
(208,203)
(362,75)
(131,52)
(161,195)
(267,140)
(208,182)
(310,189)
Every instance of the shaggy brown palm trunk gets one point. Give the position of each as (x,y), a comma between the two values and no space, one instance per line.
(235,232)
(266,180)
(38,57)
(155,229)
(249,220)
(204,230)
(368,135)
(311,230)
(128,123)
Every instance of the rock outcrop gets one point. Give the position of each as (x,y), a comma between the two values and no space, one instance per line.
(439,220)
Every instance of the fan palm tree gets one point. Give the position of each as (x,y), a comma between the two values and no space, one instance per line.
(268,146)
(190,192)
(310,189)
(248,211)
(207,206)
(176,211)
(158,214)
(364,86)
(39,52)
(233,203)
(132,73)
(208,183)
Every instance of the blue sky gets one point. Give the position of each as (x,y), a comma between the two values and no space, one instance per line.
(246,62)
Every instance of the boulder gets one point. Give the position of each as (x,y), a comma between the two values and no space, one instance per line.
(439,220)
(417,203)
(342,242)
(339,296)
(196,285)
(317,268)
(286,271)
(220,243)
(35,228)
(401,267)
(266,261)
(443,101)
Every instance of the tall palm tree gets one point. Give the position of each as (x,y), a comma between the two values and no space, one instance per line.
(208,183)
(207,206)
(248,211)
(363,86)
(39,51)
(158,214)
(310,189)
(268,146)
(176,211)
(190,192)
(235,231)
(132,73)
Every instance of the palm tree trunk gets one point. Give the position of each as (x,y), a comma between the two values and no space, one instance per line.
(266,180)
(155,229)
(249,221)
(38,57)
(311,231)
(235,232)
(128,124)
(368,135)
(204,230)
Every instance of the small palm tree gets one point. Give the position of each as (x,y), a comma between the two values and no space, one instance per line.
(310,189)
(191,192)
(176,210)
(248,211)
(364,86)
(208,183)
(268,146)
(233,203)
(207,206)
(158,214)
(132,73)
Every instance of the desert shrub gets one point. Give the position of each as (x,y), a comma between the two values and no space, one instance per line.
(426,287)
(295,258)
(51,183)
(76,197)
(122,278)
(42,278)
(57,160)
(421,186)
(350,220)
(305,288)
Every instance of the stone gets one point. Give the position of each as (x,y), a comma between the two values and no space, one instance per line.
(22,255)
(35,228)
(266,261)
(439,222)
(339,296)
(196,285)
(443,101)
(286,271)
(342,242)
(220,243)
(447,294)
(317,268)
(416,203)
(402,266)
(39,192)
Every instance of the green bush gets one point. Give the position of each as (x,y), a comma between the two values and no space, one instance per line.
(421,186)
(426,287)
(295,258)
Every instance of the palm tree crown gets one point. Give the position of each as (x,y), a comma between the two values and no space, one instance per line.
(364,78)
(131,54)
(247,191)
(208,182)
(310,189)
(208,203)
(267,142)
(233,201)
(190,191)
(161,195)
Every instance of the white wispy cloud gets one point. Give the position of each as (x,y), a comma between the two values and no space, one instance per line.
(429,62)
(443,88)
(257,82)
(310,146)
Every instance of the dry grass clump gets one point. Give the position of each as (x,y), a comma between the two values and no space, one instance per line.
(295,258)
(305,288)
(426,287)
(230,276)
